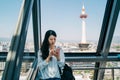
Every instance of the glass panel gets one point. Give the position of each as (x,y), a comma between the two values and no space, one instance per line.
(108,74)
(114,71)
(82,70)
(26,66)
(8,18)
(116,74)
(29,45)
(83,74)
(2,66)
(29,49)
(66,18)
(115,45)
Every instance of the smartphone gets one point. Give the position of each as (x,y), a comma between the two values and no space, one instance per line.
(57,50)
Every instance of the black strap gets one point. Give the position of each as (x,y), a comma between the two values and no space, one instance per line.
(59,70)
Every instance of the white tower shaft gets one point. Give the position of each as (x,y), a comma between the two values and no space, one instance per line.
(83,31)
(83,16)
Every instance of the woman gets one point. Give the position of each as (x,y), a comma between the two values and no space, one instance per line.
(50,57)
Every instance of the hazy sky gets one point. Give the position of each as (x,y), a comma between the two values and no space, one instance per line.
(59,15)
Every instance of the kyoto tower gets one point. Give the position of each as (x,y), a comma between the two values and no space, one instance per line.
(83,45)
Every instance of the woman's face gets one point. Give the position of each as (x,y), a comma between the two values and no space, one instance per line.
(52,40)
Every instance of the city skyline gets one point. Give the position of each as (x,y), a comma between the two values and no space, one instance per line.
(61,16)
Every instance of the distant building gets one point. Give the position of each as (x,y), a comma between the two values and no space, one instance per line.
(0,47)
(83,45)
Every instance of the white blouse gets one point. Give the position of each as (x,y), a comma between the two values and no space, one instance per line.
(50,69)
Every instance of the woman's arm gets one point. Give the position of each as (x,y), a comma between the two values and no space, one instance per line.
(41,63)
(61,61)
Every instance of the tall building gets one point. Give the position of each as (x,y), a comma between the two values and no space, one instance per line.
(83,44)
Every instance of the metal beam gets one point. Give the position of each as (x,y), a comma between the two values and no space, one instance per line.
(112,71)
(110,31)
(15,54)
(91,59)
(77,57)
(92,68)
(36,25)
(103,34)
(67,54)
(40,29)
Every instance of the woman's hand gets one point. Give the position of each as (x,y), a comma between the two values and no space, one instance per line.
(52,52)
(57,53)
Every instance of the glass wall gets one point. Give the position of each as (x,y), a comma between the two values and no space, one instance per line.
(64,17)
(115,45)
(8,19)
(113,72)
(9,11)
